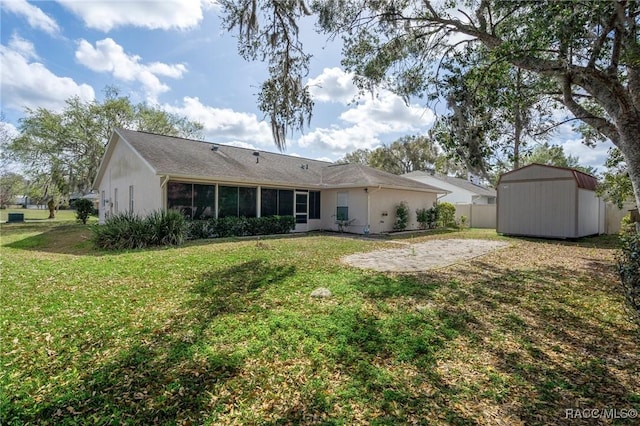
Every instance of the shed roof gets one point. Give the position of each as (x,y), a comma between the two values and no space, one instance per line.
(187,158)
(583,180)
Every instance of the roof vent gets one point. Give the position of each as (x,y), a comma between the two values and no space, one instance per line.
(304,166)
(214,148)
(257,155)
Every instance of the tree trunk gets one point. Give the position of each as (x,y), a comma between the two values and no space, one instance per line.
(517,126)
(52,209)
(630,148)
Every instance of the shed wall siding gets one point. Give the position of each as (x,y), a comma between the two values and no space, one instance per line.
(536,172)
(537,208)
(590,213)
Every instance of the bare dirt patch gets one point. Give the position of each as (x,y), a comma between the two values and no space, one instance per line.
(423,256)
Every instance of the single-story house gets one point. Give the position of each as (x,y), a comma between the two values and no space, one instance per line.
(548,201)
(143,172)
(461,191)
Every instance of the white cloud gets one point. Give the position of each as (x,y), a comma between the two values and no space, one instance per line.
(587,156)
(388,113)
(109,56)
(369,121)
(340,140)
(106,15)
(223,124)
(333,85)
(31,84)
(34,15)
(23,47)
(241,144)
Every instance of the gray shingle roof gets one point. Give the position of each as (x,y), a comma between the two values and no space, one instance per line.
(461,183)
(360,175)
(186,158)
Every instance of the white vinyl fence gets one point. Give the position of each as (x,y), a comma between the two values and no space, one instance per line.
(478,215)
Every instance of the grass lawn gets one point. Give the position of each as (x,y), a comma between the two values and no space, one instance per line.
(226,333)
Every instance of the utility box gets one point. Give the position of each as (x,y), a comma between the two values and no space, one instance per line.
(15,217)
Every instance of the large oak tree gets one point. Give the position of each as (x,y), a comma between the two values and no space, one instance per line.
(589,49)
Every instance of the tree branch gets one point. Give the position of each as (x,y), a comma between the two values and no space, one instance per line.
(602,125)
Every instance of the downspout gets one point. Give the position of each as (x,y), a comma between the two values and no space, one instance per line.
(163,188)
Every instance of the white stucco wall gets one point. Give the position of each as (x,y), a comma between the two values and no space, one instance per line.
(376,206)
(357,203)
(125,168)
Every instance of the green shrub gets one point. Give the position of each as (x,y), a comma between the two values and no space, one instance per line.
(446,214)
(629,270)
(627,225)
(427,218)
(422,216)
(199,229)
(463,222)
(240,226)
(402,217)
(130,231)
(84,209)
(167,228)
(122,231)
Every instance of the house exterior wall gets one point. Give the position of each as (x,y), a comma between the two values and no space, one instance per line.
(374,205)
(539,208)
(125,169)
(483,200)
(384,201)
(357,203)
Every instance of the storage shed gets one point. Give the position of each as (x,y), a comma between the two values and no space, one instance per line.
(547,201)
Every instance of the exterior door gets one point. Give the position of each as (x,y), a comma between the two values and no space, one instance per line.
(301,210)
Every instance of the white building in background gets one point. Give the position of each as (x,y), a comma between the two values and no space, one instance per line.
(461,191)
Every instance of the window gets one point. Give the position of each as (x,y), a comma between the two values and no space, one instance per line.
(194,201)
(130,198)
(342,211)
(115,201)
(203,201)
(268,202)
(276,202)
(180,197)
(314,204)
(237,201)
(227,201)
(285,202)
(247,199)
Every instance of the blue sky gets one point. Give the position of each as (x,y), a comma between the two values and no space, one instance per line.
(176,55)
